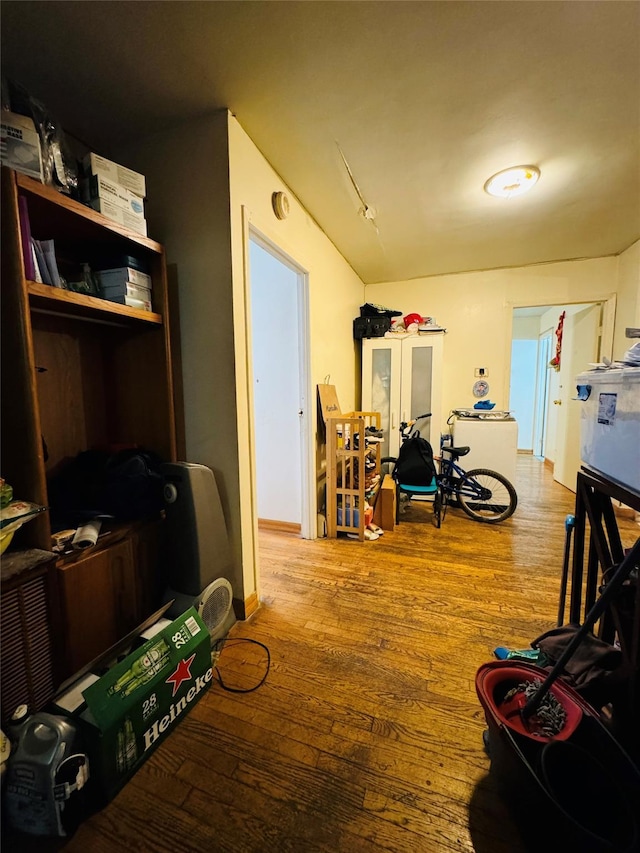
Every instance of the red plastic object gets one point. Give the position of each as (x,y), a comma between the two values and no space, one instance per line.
(495,679)
(412,318)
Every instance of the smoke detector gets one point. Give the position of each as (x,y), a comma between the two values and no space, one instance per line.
(280,204)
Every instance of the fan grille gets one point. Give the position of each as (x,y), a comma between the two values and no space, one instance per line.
(216,604)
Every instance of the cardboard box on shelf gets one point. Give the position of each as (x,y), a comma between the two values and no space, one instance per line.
(127,712)
(118,291)
(97,186)
(94,164)
(20,145)
(130,220)
(131,301)
(121,275)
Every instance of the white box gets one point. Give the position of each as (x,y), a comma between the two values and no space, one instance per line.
(94,164)
(121,275)
(123,217)
(131,301)
(127,289)
(610,423)
(98,186)
(20,145)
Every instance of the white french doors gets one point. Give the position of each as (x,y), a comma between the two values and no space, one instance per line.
(402,379)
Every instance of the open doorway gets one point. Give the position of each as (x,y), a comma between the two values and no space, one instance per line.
(280,379)
(544,394)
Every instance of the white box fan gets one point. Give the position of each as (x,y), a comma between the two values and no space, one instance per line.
(198,552)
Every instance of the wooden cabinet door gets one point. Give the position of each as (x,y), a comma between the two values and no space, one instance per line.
(98,603)
(149,572)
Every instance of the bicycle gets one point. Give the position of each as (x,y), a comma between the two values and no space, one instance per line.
(484,495)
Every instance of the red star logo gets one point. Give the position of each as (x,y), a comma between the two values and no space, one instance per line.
(182,673)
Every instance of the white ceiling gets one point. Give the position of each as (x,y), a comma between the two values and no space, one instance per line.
(425,100)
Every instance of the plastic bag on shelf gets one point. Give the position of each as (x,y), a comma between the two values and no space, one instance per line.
(58,165)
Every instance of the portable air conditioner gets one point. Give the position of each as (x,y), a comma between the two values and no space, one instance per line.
(198,551)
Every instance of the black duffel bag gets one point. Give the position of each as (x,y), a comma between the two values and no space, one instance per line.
(370,327)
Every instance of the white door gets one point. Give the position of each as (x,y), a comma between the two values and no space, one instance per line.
(277,383)
(421,384)
(580,341)
(381,362)
(551,429)
(402,379)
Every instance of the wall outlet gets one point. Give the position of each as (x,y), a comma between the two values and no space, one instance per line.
(481,372)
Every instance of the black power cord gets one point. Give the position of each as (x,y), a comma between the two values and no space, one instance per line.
(218,646)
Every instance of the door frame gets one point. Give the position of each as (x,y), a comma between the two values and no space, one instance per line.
(608,322)
(308,525)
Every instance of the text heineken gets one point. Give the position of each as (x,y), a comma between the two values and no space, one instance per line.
(143,669)
(160,726)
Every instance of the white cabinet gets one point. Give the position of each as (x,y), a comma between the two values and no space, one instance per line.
(493,443)
(401,379)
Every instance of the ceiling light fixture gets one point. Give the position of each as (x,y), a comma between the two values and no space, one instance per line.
(513,181)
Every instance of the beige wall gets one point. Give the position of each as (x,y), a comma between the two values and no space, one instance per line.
(206,179)
(628,313)
(335,294)
(188,211)
(526,328)
(476,309)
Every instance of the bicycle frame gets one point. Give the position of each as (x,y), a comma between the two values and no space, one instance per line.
(483,494)
(470,488)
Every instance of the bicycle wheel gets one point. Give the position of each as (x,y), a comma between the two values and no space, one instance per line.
(437,509)
(486,496)
(387,465)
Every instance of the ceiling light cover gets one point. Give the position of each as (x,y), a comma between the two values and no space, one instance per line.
(513,181)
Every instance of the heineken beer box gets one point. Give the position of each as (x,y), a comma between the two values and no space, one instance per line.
(131,709)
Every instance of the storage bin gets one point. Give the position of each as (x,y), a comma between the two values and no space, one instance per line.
(610,423)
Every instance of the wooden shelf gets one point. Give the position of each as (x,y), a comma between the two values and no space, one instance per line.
(82,373)
(52,196)
(347,451)
(44,297)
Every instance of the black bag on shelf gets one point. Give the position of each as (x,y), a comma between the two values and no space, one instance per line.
(371,327)
(126,485)
(371,309)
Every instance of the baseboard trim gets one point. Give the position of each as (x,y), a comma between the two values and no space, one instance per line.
(549,464)
(279,526)
(246,608)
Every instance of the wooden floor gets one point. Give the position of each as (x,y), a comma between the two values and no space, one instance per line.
(367,735)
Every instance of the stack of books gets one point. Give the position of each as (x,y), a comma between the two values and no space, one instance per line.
(38,255)
(115,191)
(126,285)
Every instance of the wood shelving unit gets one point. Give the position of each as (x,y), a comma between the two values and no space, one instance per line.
(80,373)
(347,474)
